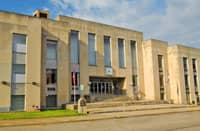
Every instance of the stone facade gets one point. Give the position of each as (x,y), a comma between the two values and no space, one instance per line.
(143,79)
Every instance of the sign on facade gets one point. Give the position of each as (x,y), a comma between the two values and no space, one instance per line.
(81,87)
(109,71)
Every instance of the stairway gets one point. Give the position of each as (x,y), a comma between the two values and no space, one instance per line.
(122,101)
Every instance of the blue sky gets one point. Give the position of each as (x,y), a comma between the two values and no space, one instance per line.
(175,21)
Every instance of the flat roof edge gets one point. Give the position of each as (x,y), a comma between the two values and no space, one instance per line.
(59,18)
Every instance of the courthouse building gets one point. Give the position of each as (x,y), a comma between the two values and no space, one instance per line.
(45,62)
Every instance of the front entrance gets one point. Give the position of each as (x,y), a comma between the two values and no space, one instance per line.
(104,87)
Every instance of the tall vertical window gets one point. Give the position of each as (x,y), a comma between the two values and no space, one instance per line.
(51,75)
(195,81)
(19,54)
(161,81)
(195,75)
(133,56)
(18,72)
(51,71)
(74,46)
(107,52)
(91,49)
(194,65)
(160,63)
(121,52)
(134,63)
(51,51)
(186,81)
(185,67)
(161,77)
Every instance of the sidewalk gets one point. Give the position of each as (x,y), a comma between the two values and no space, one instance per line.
(141,111)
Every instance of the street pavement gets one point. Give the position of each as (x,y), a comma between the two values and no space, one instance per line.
(186,121)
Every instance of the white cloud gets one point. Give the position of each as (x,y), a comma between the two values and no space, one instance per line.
(177,22)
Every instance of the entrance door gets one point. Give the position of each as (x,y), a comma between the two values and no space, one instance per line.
(105,86)
(17,103)
(51,101)
(101,87)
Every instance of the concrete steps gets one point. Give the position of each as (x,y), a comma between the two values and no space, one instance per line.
(132,108)
(105,104)
(109,98)
(118,98)
(126,104)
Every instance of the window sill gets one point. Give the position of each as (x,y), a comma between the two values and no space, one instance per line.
(122,67)
(92,65)
(108,66)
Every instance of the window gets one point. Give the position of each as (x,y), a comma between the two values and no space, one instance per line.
(194,65)
(160,63)
(133,56)
(51,71)
(161,81)
(195,74)
(134,80)
(19,58)
(195,81)
(51,54)
(107,53)
(18,62)
(74,47)
(43,15)
(51,51)
(19,43)
(51,75)
(162,96)
(91,49)
(186,81)
(19,68)
(18,78)
(134,62)
(121,52)
(185,67)
(18,85)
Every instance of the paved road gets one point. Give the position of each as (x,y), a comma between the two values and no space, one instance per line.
(189,121)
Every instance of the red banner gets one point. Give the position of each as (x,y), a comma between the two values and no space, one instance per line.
(74,78)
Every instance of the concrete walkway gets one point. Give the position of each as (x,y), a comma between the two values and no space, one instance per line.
(141,111)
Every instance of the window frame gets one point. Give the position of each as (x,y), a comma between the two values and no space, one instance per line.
(110,52)
(123,52)
(95,50)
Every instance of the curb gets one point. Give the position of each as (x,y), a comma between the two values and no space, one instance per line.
(92,118)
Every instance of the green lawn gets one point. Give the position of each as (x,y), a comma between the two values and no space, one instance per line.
(41,114)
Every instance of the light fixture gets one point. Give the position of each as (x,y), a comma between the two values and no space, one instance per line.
(4,82)
(34,83)
(89,83)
